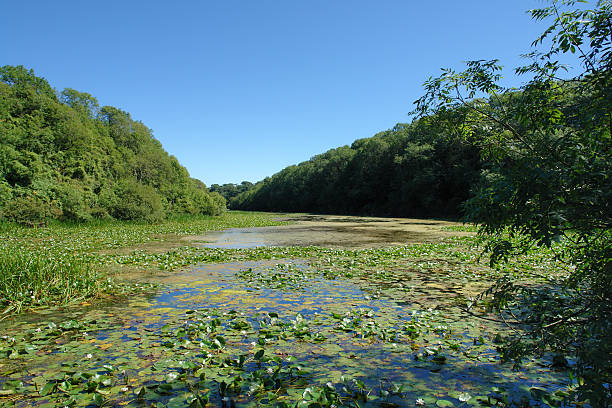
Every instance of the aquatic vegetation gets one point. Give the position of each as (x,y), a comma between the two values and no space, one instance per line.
(268,326)
(63,263)
(29,279)
(262,359)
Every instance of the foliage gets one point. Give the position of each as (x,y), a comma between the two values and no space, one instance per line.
(130,200)
(65,157)
(410,170)
(549,178)
(30,210)
(270,326)
(230,190)
(29,279)
(65,262)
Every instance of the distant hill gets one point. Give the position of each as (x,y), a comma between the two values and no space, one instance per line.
(419,169)
(62,156)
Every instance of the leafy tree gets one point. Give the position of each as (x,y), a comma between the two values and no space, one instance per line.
(25,82)
(549,179)
(64,157)
(376,176)
(230,190)
(73,202)
(130,200)
(218,204)
(80,101)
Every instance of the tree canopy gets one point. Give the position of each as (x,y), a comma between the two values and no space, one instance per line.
(231,190)
(410,170)
(62,156)
(548,183)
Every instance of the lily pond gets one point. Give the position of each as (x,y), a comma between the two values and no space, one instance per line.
(322,312)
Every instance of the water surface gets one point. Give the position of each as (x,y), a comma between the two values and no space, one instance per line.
(350,335)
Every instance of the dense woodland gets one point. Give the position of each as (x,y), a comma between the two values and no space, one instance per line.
(410,170)
(62,156)
(428,168)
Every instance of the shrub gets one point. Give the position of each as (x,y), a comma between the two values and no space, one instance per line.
(130,200)
(73,202)
(30,210)
(218,203)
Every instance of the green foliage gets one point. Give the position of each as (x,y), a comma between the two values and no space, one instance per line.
(410,170)
(230,190)
(549,179)
(5,193)
(80,101)
(33,279)
(66,157)
(74,201)
(24,81)
(30,210)
(217,205)
(130,200)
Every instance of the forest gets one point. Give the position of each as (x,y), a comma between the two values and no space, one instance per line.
(64,157)
(412,170)
(427,168)
(231,190)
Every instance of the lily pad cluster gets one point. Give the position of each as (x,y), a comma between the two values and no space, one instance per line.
(287,326)
(346,356)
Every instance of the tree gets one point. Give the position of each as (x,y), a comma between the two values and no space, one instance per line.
(549,184)
(67,158)
(24,81)
(130,200)
(80,101)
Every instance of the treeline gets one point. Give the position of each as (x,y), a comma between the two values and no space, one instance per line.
(419,169)
(231,190)
(62,156)
(428,168)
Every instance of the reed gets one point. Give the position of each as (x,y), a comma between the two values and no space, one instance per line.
(32,278)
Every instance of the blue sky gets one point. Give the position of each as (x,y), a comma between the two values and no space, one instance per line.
(237,90)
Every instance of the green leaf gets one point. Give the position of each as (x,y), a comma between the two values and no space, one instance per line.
(48,389)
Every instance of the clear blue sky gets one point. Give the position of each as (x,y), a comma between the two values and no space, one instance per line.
(237,90)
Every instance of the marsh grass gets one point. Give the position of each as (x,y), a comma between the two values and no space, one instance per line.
(38,278)
(63,262)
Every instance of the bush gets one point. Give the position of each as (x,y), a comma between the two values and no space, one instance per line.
(73,202)
(218,204)
(206,203)
(130,200)
(30,210)
(100,213)
(6,193)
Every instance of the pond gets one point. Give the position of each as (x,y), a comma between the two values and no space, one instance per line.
(344,232)
(350,326)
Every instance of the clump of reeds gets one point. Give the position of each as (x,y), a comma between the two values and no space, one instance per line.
(31,278)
